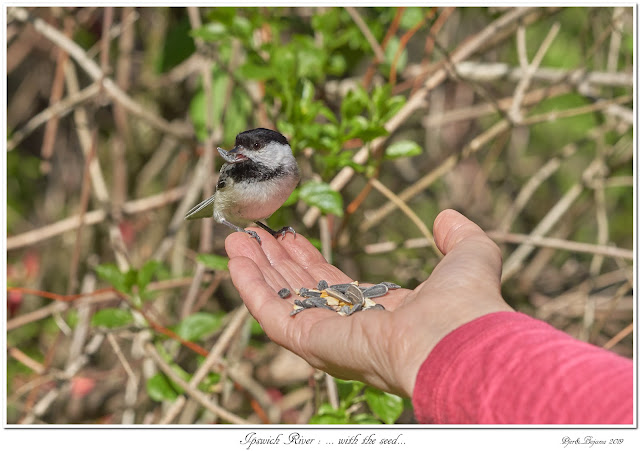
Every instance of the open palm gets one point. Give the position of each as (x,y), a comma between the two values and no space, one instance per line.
(382,348)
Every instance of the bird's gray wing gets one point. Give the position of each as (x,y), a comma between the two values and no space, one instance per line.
(203,210)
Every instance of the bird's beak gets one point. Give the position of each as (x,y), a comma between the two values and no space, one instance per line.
(232,156)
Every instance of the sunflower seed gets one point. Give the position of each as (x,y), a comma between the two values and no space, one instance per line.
(375,307)
(342,287)
(284,293)
(390,285)
(355,296)
(304,303)
(309,292)
(320,302)
(323,285)
(354,309)
(338,295)
(375,291)
(296,309)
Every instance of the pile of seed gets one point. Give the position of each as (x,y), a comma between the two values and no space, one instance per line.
(343,298)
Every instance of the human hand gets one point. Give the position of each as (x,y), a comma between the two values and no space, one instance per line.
(382,348)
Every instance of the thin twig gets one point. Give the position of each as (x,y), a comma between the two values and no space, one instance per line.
(84,204)
(443,168)
(475,111)
(364,28)
(27,361)
(487,72)
(197,395)
(93,217)
(59,109)
(465,50)
(116,349)
(104,295)
(542,174)
(93,70)
(529,69)
(517,238)
(514,261)
(51,129)
(213,359)
(556,243)
(206,229)
(408,212)
(618,337)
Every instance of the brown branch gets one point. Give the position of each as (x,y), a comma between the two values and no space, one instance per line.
(59,109)
(364,28)
(51,129)
(93,217)
(93,70)
(407,211)
(95,297)
(465,50)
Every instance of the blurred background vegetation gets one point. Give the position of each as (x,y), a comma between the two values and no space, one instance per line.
(520,118)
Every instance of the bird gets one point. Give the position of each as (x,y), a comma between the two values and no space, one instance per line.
(258,176)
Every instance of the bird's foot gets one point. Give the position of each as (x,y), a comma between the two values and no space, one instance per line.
(254,235)
(275,233)
(251,233)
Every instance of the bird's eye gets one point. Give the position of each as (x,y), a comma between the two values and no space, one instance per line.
(256,146)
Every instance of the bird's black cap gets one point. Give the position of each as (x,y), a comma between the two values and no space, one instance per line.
(259,137)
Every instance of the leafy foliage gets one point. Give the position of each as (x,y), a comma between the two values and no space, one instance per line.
(199,325)
(384,407)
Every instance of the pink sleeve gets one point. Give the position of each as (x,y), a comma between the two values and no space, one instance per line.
(510,368)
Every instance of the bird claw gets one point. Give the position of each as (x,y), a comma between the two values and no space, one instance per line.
(254,235)
(275,233)
(283,232)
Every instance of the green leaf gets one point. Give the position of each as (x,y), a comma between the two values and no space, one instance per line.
(178,45)
(320,194)
(255,71)
(411,17)
(198,325)
(390,53)
(337,65)
(109,272)
(365,418)
(146,273)
(328,415)
(403,148)
(348,390)
(159,388)
(216,262)
(353,103)
(384,405)
(111,318)
(213,31)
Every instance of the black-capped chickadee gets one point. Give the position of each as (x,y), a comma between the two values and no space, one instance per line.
(259,175)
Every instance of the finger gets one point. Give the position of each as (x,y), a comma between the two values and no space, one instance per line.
(242,245)
(300,252)
(455,234)
(275,250)
(268,309)
(298,261)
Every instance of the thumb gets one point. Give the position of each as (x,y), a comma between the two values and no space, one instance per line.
(455,234)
